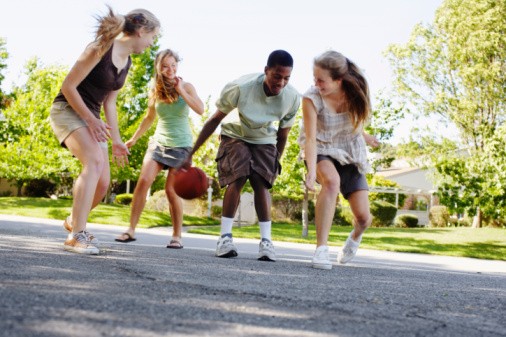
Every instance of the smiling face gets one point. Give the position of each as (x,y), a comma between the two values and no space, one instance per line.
(168,66)
(276,78)
(325,84)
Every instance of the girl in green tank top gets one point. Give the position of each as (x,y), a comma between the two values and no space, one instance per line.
(171,99)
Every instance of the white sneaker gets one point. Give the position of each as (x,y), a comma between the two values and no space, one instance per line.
(225,247)
(79,243)
(349,249)
(321,258)
(67,225)
(266,251)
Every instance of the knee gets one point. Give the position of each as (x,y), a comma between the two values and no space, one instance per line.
(332,186)
(363,220)
(95,164)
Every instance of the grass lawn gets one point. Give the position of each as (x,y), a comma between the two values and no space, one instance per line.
(482,243)
(104,214)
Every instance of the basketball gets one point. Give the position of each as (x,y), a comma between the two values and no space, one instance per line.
(191,184)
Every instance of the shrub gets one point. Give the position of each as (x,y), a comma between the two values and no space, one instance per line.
(216,211)
(39,188)
(464,222)
(124,199)
(343,217)
(406,220)
(297,214)
(439,216)
(383,213)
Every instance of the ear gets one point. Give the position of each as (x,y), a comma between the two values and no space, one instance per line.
(266,69)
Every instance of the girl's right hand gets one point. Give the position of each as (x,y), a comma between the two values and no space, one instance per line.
(99,130)
(310,181)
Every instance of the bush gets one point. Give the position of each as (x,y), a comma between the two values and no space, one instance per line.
(297,214)
(39,188)
(406,220)
(439,216)
(383,213)
(343,217)
(216,211)
(464,222)
(124,199)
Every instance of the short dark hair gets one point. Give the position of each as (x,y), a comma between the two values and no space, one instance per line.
(280,58)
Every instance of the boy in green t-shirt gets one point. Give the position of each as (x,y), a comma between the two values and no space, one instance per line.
(251,147)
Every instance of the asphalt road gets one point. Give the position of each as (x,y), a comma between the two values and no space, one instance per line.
(144,289)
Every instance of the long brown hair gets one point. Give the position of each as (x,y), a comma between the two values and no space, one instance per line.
(164,89)
(111,25)
(353,83)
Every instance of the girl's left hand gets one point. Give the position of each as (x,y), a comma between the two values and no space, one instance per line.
(120,154)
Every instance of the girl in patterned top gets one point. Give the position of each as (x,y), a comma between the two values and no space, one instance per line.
(333,142)
(93,83)
(170,98)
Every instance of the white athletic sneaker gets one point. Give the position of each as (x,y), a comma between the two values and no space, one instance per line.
(225,247)
(349,249)
(67,224)
(266,250)
(79,243)
(321,258)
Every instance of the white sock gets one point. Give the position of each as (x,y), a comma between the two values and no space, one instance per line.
(226,225)
(265,229)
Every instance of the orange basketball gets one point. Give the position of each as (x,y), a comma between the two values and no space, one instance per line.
(191,184)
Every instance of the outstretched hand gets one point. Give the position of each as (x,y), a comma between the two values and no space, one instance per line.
(120,154)
(371,140)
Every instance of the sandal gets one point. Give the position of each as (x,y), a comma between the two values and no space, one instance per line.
(125,237)
(175,244)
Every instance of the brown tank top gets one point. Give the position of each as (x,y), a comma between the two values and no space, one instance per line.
(102,79)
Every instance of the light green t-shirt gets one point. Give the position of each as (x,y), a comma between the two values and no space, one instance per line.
(259,116)
(173,127)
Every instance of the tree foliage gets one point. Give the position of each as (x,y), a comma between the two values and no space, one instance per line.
(30,150)
(455,70)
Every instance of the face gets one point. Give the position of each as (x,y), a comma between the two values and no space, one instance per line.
(168,67)
(145,40)
(325,84)
(276,78)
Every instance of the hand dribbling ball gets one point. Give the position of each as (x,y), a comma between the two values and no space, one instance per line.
(191,184)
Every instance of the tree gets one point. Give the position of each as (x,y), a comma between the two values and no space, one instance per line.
(454,69)
(132,105)
(30,150)
(4,55)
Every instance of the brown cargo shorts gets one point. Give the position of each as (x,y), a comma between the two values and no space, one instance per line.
(237,158)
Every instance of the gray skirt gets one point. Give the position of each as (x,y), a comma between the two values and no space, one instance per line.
(167,156)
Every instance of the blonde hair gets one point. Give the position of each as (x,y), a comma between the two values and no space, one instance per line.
(353,83)
(111,25)
(163,89)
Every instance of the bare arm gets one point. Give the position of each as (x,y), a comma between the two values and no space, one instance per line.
(309,115)
(282,137)
(83,66)
(189,94)
(146,123)
(119,149)
(207,130)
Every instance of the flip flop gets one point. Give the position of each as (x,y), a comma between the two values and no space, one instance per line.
(175,244)
(129,238)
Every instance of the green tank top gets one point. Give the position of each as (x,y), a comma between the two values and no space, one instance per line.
(173,127)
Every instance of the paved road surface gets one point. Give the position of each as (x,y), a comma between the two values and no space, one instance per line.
(144,289)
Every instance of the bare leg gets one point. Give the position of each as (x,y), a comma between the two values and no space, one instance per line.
(359,203)
(85,148)
(232,197)
(262,197)
(175,204)
(149,171)
(326,202)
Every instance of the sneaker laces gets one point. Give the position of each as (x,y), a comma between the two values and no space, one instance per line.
(82,237)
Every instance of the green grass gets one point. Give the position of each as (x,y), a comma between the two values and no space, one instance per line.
(104,214)
(483,243)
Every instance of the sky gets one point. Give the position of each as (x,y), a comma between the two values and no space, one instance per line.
(220,40)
